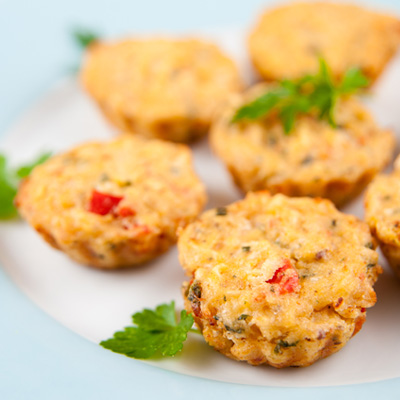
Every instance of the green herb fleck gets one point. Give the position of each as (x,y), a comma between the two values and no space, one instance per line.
(336,341)
(307,160)
(311,94)
(369,245)
(9,181)
(243,317)
(221,211)
(194,296)
(283,344)
(85,37)
(194,292)
(156,332)
(233,330)
(104,177)
(371,265)
(246,249)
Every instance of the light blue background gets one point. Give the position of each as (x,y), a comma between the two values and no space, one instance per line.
(40,359)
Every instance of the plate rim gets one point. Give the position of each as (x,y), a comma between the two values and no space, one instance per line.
(34,354)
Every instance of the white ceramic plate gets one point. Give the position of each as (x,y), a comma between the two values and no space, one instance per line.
(94,303)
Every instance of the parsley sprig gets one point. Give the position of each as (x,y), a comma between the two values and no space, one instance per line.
(84,37)
(9,180)
(312,93)
(157,332)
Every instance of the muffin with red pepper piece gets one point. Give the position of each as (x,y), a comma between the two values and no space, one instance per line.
(287,40)
(382,206)
(163,88)
(113,204)
(315,158)
(278,280)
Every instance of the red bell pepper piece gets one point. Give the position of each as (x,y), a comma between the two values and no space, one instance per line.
(286,277)
(102,203)
(126,212)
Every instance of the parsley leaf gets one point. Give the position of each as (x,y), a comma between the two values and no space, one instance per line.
(312,93)
(85,37)
(9,181)
(261,105)
(156,332)
(8,191)
(353,80)
(24,171)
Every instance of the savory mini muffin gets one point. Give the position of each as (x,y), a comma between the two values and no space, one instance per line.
(167,89)
(278,280)
(113,204)
(314,159)
(288,40)
(382,206)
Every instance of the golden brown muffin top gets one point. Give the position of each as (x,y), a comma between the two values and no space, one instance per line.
(113,189)
(160,79)
(313,153)
(287,40)
(245,244)
(382,206)
(290,268)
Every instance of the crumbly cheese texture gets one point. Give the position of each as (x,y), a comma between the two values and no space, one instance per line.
(113,204)
(278,280)
(382,207)
(163,88)
(314,159)
(287,41)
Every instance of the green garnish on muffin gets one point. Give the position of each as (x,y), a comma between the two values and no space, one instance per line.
(311,94)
